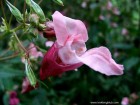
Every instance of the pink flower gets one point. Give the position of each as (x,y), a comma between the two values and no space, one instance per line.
(113,24)
(71,50)
(124,31)
(33,51)
(109,5)
(125,101)
(84,4)
(101,17)
(49,43)
(26,87)
(116,11)
(13,98)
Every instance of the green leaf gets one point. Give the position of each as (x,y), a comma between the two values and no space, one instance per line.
(28,2)
(122,46)
(3,27)
(59,2)
(15,12)
(6,99)
(8,72)
(131,62)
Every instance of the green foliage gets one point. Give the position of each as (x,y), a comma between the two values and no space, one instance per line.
(4,26)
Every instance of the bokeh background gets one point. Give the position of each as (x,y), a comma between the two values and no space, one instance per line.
(111,23)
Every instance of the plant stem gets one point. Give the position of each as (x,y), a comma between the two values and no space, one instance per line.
(9,57)
(17,28)
(24,14)
(19,42)
(42,83)
(39,1)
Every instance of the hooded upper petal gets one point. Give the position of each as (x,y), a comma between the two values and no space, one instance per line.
(100,60)
(65,27)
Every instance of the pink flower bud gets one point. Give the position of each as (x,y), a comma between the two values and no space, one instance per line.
(125,101)
(26,87)
(13,98)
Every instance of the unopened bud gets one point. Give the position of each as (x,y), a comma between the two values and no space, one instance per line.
(34,19)
(15,12)
(30,74)
(59,2)
(37,10)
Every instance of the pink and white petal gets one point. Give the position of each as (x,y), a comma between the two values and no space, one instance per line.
(60,28)
(50,24)
(76,27)
(67,55)
(79,47)
(31,45)
(65,27)
(49,43)
(99,50)
(100,60)
(40,54)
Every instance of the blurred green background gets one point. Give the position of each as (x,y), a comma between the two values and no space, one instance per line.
(111,23)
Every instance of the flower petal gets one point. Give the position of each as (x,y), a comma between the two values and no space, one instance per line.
(52,64)
(100,60)
(49,43)
(26,87)
(65,27)
(72,50)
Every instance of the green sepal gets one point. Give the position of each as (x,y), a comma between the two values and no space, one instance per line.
(15,12)
(37,9)
(30,74)
(59,2)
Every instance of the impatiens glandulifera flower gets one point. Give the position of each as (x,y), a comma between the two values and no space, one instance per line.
(26,87)
(70,50)
(125,101)
(33,51)
(13,100)
(124,31)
